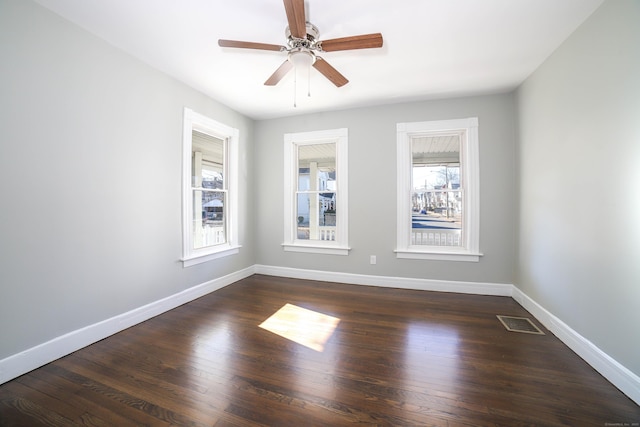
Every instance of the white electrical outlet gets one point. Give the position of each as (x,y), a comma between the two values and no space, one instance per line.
(372,259)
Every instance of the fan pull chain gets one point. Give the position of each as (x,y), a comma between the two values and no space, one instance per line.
(309,82)
(295,87)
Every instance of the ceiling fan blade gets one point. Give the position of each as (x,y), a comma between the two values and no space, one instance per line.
(279,74)
(329,72)
(250,45)
(364,41)
(296,18)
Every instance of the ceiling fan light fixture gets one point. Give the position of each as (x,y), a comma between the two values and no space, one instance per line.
(302,59)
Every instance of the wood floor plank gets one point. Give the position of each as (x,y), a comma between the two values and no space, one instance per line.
(396,358)
(93,414)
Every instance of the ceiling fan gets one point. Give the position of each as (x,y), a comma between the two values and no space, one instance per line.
(303,46)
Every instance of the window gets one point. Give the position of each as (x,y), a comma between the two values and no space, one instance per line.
(210,198)
(438,190)
(315,211)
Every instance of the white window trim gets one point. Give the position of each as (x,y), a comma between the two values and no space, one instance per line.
(196,121)
(469,155)
(291,242)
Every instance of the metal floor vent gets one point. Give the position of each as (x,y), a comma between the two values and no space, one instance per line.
(519,324)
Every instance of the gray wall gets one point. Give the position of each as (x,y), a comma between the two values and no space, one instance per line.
(579,113)
(372,189)
(90,180)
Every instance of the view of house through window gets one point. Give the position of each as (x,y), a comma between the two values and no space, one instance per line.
(316,212)
(316,193)
(438,190)
(208,189)
(436,198)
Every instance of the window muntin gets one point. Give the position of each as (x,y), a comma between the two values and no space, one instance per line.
(438,190)
(210,199)
(316,214)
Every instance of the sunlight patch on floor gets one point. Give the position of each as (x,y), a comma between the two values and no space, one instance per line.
(306,327)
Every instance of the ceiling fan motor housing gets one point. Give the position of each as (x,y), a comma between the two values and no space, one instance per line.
(313,34)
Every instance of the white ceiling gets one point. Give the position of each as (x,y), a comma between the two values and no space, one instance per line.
(432,48)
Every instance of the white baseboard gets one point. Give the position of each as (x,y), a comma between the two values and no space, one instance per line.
(388,281)
(21,363)
(617,374)
(30,359)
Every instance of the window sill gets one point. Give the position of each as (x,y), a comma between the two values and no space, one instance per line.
(438,255)
(316,249)
(221,252)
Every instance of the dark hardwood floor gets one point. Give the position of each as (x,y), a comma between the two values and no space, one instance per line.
(397,357)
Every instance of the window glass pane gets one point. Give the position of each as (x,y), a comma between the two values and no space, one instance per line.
(320,224)
(316,166)
(302,211)
(316,196)
(436,197)
(209,218)
(207,166)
